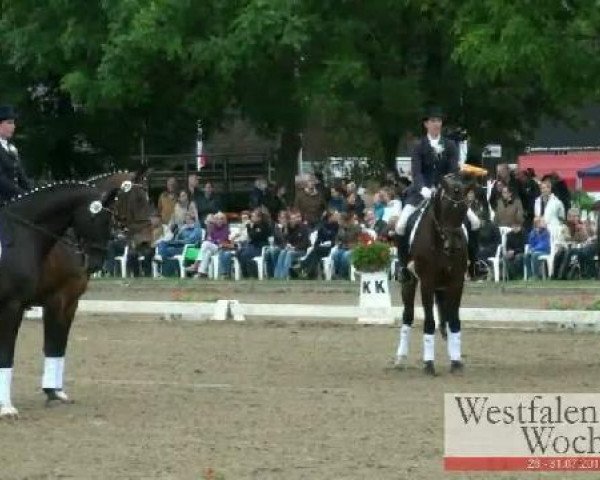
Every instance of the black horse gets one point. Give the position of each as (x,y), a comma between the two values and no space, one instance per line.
(65,277)
(30,226)
(439,262)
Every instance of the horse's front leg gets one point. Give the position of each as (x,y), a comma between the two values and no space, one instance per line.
(409,289)
(453,299)
(427,293)
(11,316)
(442,313)
(59,312)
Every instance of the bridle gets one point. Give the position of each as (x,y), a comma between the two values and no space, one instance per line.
(446,233)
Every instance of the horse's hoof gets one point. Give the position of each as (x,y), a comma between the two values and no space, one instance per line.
(429,368)
(456,366)
(8,412)
(56,396)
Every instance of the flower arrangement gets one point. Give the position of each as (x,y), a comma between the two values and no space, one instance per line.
(371,257)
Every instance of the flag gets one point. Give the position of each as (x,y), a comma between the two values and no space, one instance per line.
(200,157)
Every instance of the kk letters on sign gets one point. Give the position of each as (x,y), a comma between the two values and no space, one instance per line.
(375,299)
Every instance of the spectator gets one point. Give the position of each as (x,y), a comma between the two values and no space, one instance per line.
(326,237)
(259,231)
(275,200)
(579,245)
(478,205)
(297,242)
(189,233)
(379,203)
(217,236)
(259,193)
(531,191)
(355,204)
(183,207)
(515,249)
(509,210)
(238,239)
(393,206)
(504,176)
(488,240)
(167,200)
(380,227)
(193,189)
(310,202)
(278,241)
(337,200)
(559,189)
(208,202)
(348,233)
(548,206)
(539,244)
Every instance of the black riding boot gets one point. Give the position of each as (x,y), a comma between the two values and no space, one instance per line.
(403,273)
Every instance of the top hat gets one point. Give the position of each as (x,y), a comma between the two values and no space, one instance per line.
(433,112)
(7,112)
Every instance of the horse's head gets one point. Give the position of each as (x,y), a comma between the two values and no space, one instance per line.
(92,224)
(451,201)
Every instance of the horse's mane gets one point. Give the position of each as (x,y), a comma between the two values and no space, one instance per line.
(43,188)
(103,176)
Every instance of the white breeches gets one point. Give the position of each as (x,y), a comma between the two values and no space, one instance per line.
(407,210)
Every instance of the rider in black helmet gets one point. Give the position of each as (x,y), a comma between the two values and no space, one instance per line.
(13,180)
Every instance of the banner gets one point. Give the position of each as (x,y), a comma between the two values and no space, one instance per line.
(522,431)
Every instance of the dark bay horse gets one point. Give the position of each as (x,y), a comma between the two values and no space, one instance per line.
(439,262)
(65,277)
(30,226)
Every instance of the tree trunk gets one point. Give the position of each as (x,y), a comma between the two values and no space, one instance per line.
(389,144)
(287,161)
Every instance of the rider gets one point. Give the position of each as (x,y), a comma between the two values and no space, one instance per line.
(13,180)
(433,157)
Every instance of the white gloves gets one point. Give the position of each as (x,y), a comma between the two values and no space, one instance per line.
(426,192)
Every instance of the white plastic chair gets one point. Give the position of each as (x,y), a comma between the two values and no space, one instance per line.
(497,261)
(121,261)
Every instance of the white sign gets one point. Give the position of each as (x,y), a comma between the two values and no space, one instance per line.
(403,165)
(522,431)
(492,151)
(375,299)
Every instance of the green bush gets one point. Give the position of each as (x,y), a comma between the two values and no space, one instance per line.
(374,257)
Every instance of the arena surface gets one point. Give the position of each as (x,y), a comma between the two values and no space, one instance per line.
(264,400)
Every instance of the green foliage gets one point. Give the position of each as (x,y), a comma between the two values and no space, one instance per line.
(374,257)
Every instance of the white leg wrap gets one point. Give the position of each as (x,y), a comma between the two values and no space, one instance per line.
(454,350)
(54,368)
(5,383)
(428,348)
(404,342)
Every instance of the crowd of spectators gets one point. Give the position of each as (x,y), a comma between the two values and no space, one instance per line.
(527,216)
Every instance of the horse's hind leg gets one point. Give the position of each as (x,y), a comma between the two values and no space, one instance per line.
(409,289)
(58,318)
(10,322)
(428,329)
(441,309)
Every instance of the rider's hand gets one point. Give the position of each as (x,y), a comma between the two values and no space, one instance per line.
(426,192)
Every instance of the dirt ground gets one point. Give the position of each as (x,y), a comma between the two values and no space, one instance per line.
(284,401)
(270,399)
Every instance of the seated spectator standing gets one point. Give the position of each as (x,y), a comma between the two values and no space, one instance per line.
(167,201)
(326,237)
(348,234)
(217,235)
(208,202)
(259,231)
(539,244)
(297,242)
(509,210)
(548,206)
(309,201)
(515,248)
(189,233)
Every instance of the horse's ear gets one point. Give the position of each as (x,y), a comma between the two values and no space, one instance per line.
(140,173)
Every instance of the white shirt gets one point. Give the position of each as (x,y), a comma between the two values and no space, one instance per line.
(434,142)
(4,143)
